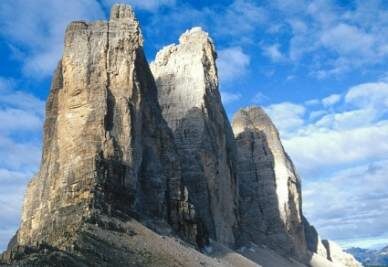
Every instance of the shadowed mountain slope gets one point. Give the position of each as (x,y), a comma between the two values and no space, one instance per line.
(142,168)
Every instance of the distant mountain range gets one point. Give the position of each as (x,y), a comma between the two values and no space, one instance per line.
(370,257)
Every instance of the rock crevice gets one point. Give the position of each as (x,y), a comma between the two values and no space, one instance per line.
(141,167)
(187,82)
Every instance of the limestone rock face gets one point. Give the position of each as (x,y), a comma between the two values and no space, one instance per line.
(187,82)
(107,149)
(270,189)
(270,196)
(135,163)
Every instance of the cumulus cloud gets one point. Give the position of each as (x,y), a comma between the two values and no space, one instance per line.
(331,100)
(232,63)
(19,111)
(318,148)
(342,149)
(37,32)
(358,127)
(242,17)
(11,196)
(351,205)
(312,102)
(338,38)
(273,52)
(357,41)
(286,116)
(374,95)
(228,97)
(21,115)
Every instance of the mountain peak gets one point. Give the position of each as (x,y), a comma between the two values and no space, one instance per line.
(122,11)
(252,117)
(140,166)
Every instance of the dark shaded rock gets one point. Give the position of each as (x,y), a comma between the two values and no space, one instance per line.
(107,149)
(187,82)
(270,189)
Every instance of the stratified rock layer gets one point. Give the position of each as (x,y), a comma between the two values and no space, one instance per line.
(116,180)
(107,148)
(187,82)
(270,190)
(270,196)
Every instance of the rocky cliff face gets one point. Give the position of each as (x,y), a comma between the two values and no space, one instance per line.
(143,169)
(270,190)
(270,194)
(107,148)
(187,82)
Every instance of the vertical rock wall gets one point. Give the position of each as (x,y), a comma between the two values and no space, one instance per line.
(118,146)
(187,82)
(106,146)
(270,190)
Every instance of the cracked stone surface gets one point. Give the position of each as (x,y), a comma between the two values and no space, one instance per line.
(270,189)
(187,82)
(142,168)
(107,148)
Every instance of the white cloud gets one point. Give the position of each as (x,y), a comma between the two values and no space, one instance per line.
(19,111)
(353,132)
(273,52)
(335,39)
(312,102)
(331,100)
(357,41)
(12,189)
(36,28)
(241,19)
(318,147)
(232,63)
(286,116)
(21,117)
(228,97)
(343,149)
(16,120)
(351,204)
(347,119)
(374,95)
(317,114)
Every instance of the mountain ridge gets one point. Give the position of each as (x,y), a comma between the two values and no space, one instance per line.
(139,159)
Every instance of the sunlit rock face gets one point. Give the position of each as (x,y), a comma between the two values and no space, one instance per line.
(270,190)
(143,169)
(270,196)
(187,82)
(107,148)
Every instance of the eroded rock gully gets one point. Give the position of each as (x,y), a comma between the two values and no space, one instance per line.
(142,168)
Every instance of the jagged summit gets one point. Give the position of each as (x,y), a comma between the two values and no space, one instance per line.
(187,82)
(270,190)
(195,35)
(122,11)
(270,194)
(107,149)
(140,166)
(193,39)
(252,118)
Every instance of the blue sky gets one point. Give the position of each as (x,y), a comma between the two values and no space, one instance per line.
(318,67)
